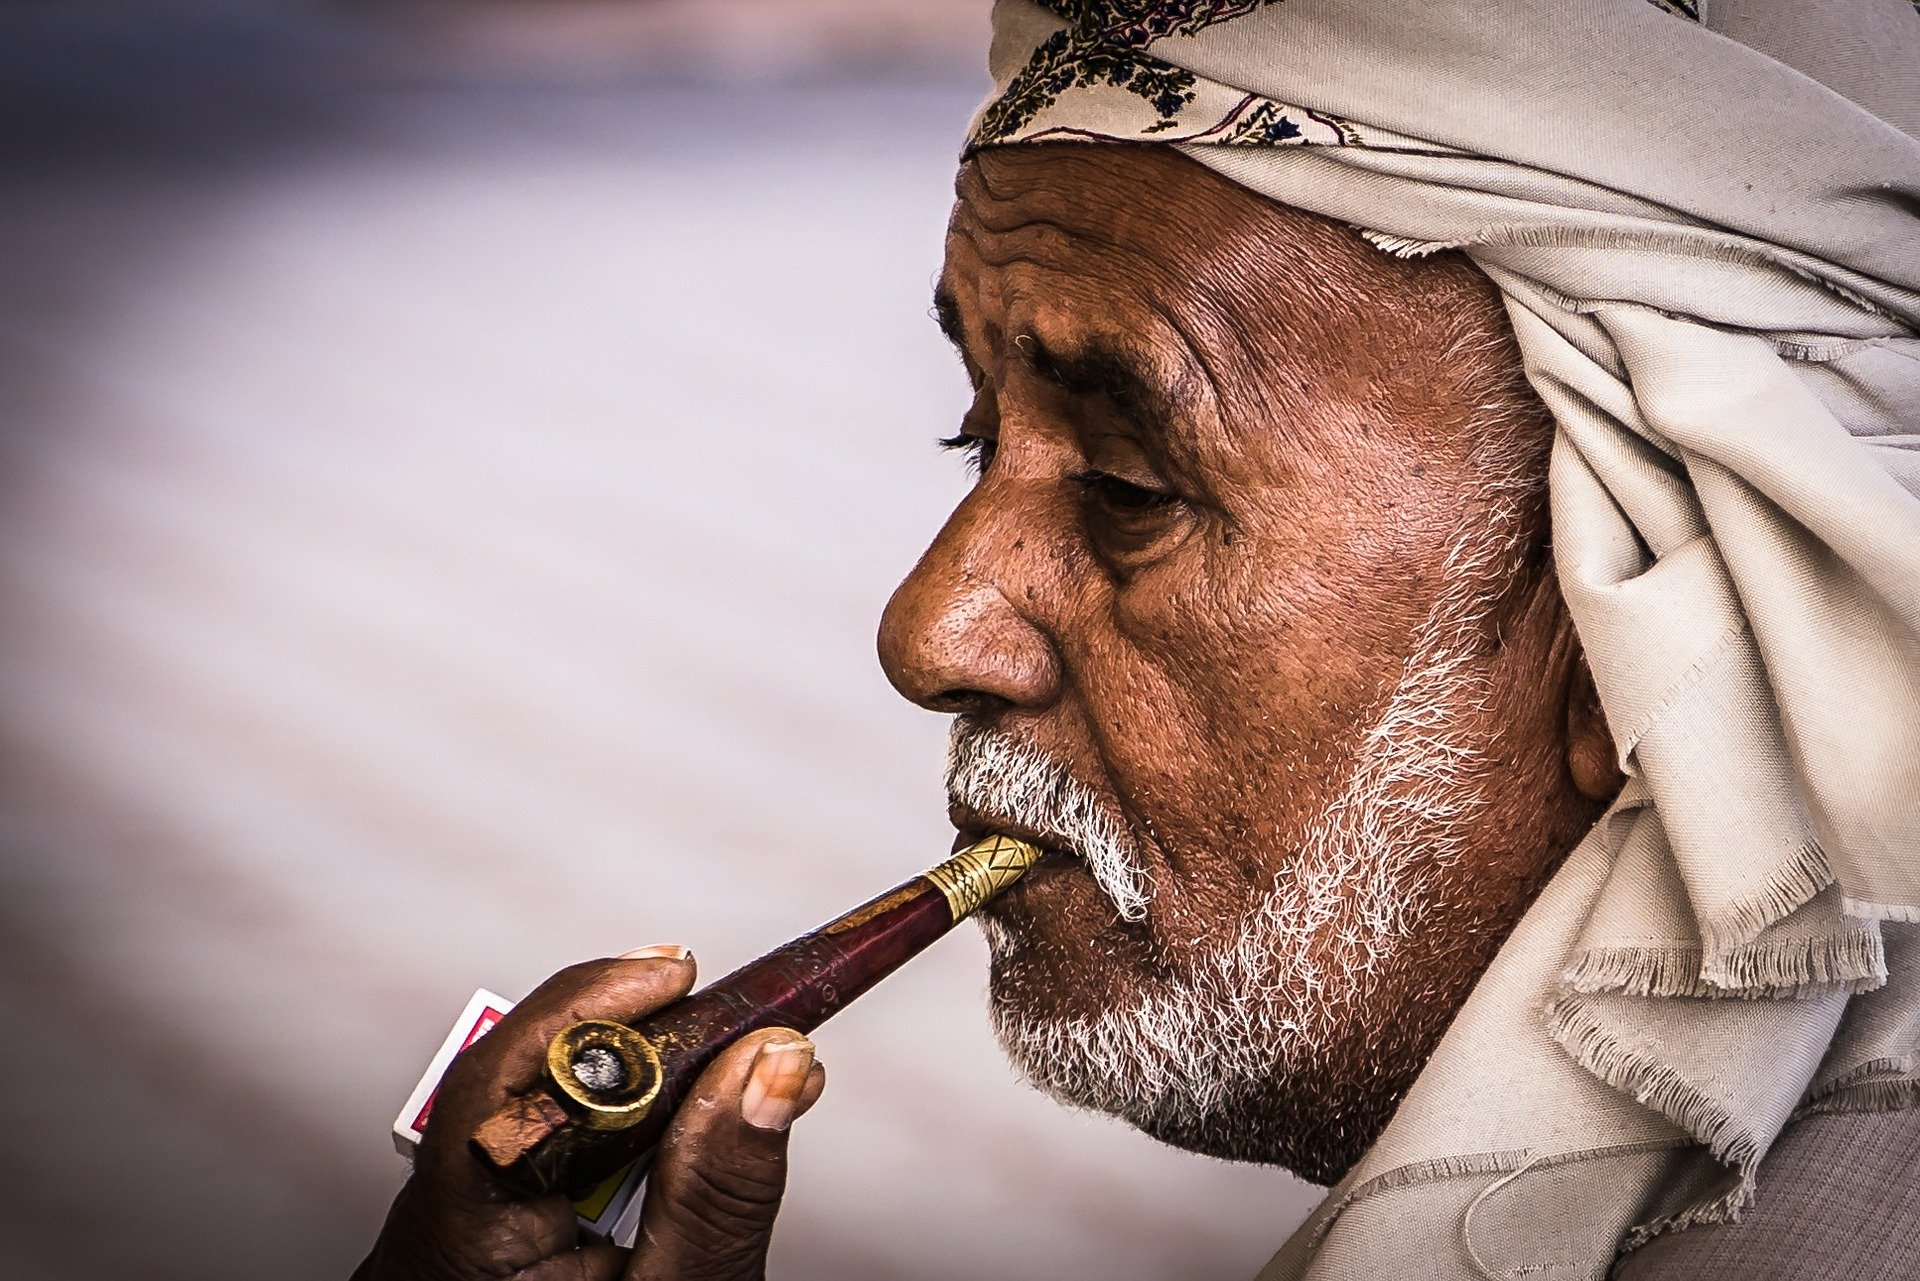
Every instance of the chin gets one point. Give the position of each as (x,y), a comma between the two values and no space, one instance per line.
(1245,1051)
(1059,950)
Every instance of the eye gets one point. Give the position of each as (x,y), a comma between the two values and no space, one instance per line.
(978,449)
(1129,526)
(1119,497)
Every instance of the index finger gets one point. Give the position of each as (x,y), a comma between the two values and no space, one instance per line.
(510,1060)
(621,988)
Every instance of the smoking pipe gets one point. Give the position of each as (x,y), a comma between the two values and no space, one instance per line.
(610,1089)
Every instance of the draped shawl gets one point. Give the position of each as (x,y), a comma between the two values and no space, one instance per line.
(1705,222)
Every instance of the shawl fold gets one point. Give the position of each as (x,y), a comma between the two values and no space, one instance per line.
(1706,229)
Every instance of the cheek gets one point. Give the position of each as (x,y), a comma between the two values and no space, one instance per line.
(1230,699)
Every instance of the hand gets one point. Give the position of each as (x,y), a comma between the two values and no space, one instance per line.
(714,1188)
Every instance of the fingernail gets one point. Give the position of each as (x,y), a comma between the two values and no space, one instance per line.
(658,952)
(773,1087)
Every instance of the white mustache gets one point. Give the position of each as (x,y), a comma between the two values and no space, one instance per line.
(1000,777)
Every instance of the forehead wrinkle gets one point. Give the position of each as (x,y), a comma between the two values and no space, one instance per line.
(1039,216)
(1283,336)
(1021,219)
(1335,325)
(1041,192)
(1005,217)
(1041,243)
(998,299)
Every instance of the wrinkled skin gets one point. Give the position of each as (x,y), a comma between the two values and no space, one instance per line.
(1201,611)
(712,1194)
(1207,660)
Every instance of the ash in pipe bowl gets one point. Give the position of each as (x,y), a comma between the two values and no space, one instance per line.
(607,1068)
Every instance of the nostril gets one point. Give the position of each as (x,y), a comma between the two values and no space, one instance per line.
(968,702)
(951,641)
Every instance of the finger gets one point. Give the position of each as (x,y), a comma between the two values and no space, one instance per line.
(621,988)
(430,1233)
(716,1187)
(511,1058)
(454,1196)
(810,1094)
(596,1261)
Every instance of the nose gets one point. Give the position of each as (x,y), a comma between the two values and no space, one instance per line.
(952,638)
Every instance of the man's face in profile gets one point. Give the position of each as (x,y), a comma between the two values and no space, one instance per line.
(1248,618)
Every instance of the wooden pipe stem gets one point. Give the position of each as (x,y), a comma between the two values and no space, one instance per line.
(611,1089)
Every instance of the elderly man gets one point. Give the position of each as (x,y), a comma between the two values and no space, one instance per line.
(1443,581)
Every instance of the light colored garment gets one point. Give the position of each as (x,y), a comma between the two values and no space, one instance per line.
(1804,1223)
(1705,221)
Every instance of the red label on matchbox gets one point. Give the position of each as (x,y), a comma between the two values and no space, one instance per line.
(484,1010)
(481,1025)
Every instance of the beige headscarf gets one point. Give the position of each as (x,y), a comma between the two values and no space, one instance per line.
(1706,226)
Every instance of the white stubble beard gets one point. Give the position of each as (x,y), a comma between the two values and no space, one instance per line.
(1190,1059)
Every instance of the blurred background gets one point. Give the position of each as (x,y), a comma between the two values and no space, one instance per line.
(452,461)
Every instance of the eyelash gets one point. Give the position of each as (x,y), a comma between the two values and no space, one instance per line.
(1115,493)
(1120,495)
(978,449)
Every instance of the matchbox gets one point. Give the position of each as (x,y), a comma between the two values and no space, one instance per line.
(611,1210)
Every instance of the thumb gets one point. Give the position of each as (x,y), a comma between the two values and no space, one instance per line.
(722,1169)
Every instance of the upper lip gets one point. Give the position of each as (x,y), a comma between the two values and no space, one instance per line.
(975,826)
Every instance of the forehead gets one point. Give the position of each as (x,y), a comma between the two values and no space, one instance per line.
(1178,232)
(1275,310)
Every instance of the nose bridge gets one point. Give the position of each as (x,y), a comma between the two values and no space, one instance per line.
(987,538)
(959,634)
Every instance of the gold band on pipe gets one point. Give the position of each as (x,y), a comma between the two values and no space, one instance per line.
(981,871)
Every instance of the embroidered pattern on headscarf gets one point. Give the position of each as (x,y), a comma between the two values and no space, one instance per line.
(1105,43)
(1689,9)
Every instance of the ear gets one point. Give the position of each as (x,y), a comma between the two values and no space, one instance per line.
(1592,761)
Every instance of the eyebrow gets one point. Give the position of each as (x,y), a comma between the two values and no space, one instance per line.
(1097,369)
(946,314)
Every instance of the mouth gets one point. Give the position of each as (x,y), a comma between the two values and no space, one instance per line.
(971,827)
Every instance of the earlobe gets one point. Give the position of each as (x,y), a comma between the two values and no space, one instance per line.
(1591,757)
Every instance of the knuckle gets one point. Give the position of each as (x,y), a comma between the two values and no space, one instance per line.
(439,1259)
(725,1211)
(572,994)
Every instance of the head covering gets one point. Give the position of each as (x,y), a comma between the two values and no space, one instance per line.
(1706,227)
